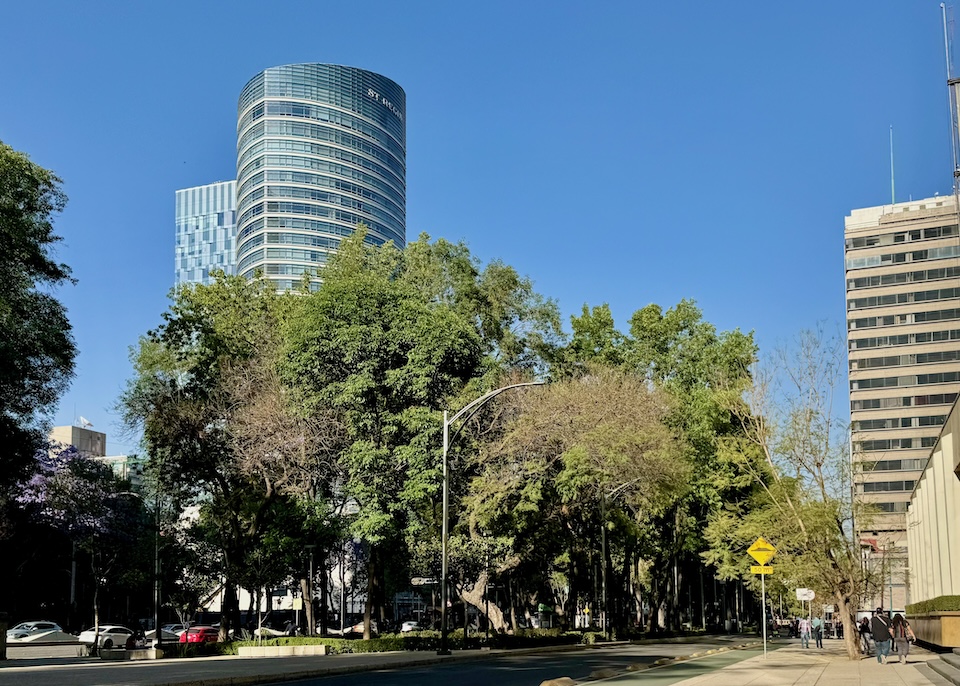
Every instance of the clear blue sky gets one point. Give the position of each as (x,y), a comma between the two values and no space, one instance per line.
(615,152)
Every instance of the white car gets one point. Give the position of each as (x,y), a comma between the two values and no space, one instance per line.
(111,636)
(407,627)
(174,628)
(25,629)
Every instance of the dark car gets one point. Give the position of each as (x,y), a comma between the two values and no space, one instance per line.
(200,634)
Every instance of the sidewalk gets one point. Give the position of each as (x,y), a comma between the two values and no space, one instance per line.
(791,664)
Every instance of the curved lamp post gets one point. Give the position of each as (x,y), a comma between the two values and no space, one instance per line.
(468,409)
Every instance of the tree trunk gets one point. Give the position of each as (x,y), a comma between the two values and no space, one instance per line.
(851,634)
(513,607)
(324,599)
(371,594)
(230,616)
(475,597)
(307,594)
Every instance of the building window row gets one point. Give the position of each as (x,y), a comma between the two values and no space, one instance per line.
(907,401)
(906,380)
(899,423)
(902,257)
(899,319)
(905,339)
(323,114)
(902,237)
(293,162)
(895,444)
(890,507)
(902,298)
(902,278)
(315,256)
(395,170)
(885,486)
(317,211)
(905,360)
(315,195)
(307,179)
(907,465)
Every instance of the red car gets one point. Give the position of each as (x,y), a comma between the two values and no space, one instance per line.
(200,634)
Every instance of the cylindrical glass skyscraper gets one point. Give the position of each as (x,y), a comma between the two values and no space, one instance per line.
(320,149)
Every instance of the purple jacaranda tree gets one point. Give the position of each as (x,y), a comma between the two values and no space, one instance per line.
(83,499)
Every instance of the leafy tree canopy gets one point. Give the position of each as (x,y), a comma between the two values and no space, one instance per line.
(36,344)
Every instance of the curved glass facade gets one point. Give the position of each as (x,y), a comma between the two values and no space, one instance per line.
(320,149)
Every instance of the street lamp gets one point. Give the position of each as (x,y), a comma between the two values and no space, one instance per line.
(470,408)
(312,628)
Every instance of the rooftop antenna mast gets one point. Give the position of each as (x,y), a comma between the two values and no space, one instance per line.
(952,103)
(893,194)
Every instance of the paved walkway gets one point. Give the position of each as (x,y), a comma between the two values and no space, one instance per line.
(788,665)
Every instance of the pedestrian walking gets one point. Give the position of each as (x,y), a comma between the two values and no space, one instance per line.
(903,636)
(880,628)
(818,631)
(805,632)
(864,628)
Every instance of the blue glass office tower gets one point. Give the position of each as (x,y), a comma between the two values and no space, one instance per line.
(206,231)
(320,149)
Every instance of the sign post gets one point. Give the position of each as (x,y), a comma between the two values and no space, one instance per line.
(762,552)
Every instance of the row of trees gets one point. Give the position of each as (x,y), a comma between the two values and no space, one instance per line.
(324,408)
(300,421)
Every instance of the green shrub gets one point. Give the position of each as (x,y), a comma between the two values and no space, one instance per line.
(944,603)
(428,641)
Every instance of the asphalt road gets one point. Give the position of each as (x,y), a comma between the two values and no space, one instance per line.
(531,669)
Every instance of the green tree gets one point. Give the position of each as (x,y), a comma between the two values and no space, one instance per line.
(382,354)
(36,344)
(186,401)
(82,498)
(684,355)
(580,457)
(792,451)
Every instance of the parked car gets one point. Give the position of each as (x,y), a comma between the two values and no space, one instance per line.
(165,636)
(200,634)
(111,635)
(174,628)
(355,630)
(25,629)
(407,627)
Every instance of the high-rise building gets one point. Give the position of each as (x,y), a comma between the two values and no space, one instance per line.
(206,231)
(902,263)
(321,148)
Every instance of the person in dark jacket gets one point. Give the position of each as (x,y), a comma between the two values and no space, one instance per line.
(880,628)
(864,628)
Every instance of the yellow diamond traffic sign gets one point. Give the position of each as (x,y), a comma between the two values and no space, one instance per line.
(761,569)
(761,551)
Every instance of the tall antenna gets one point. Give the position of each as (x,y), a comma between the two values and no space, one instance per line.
(893,195)
(952,104)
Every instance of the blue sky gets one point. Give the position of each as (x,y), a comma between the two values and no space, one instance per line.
(615,152)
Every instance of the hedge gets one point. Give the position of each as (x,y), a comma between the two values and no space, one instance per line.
(944,603)
(429,641)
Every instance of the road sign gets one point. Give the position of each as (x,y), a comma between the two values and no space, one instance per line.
(761,551)
(805,594)
(761,569)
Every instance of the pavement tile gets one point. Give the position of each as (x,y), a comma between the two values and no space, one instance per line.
(791,664)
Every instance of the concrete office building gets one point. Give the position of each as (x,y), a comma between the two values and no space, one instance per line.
(320,149)
(206,232)
(903,333)
(93,444)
